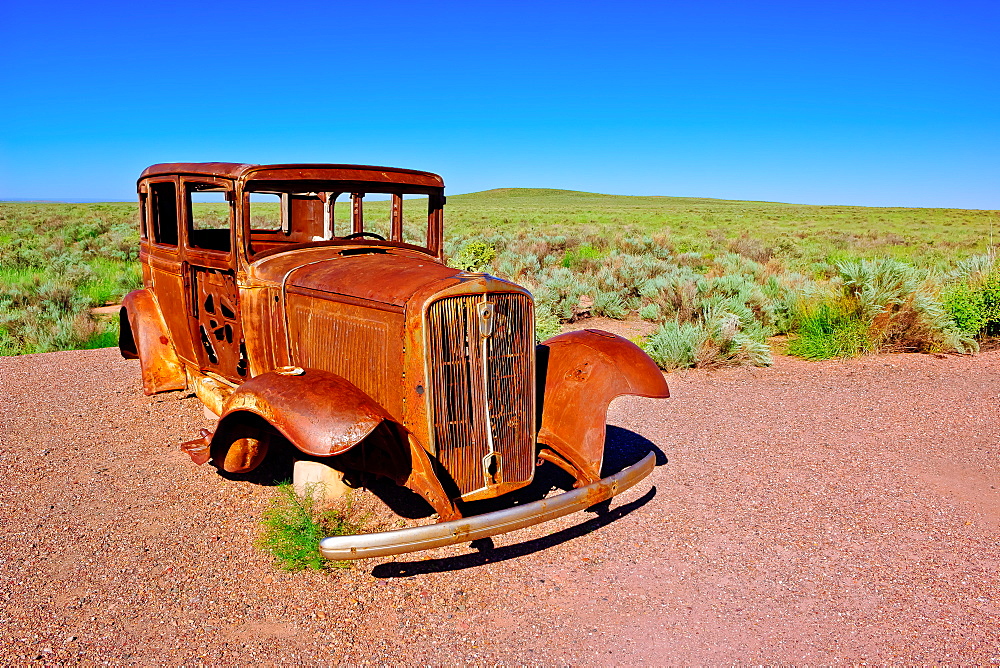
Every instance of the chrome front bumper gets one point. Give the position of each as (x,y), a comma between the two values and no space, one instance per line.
(466,529)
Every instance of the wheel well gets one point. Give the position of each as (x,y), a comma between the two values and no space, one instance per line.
(126,340)
(276,467)
(240,424)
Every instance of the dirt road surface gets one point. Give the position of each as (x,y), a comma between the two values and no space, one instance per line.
(810,513)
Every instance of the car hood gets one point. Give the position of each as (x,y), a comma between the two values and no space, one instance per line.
(374,274)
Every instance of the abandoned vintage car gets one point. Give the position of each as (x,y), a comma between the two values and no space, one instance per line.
(310,304)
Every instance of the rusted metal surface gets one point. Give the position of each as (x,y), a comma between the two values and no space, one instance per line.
(583,371)
(354,341)
(324,172)
(150,342)
(322,413)
(413,539)
(298,323)
(392,280)
(220,330)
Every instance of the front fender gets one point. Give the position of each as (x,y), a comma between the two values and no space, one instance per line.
(581,372)
(147,338)
(320,412)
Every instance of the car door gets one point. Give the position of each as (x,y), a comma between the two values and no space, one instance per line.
(210,271)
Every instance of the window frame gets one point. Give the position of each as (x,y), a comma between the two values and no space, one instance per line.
(324,188)
(208,256)
(153,222)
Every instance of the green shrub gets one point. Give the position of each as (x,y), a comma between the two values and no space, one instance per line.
(824,333)
(609,305)
(475,256)
(293,527)
(580,255)
(675,344)
(650,312)
(546,323)
(973,303)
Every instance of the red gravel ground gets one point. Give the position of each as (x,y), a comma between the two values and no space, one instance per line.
(810,513)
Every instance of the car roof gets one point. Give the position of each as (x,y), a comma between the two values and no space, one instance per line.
(295,171)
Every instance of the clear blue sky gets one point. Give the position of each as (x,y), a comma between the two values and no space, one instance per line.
(872,103)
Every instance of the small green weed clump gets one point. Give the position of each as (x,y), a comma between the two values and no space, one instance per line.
(293,527)
(972,297)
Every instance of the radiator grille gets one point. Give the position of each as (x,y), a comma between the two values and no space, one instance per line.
(482,388)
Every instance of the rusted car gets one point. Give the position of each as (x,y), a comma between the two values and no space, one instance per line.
(310,304)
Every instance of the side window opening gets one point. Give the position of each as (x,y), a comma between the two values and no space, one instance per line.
(210,216)
(267,212)
(143,203)
(278,218)
(164,210)
(374,211)
(414,219)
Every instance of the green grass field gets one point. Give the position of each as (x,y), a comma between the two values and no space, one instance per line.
(717,276)
(799,233)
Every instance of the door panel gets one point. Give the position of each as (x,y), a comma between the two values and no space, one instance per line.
(168,285)
(219,330)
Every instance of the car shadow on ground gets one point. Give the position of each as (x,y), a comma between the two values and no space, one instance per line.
(623,448)
(489,555)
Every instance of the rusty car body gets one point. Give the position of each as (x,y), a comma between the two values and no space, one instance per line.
(301,302)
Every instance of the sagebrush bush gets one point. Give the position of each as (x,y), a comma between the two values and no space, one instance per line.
(609,305)
(650,312)
(45,316)
(675,344)
(717,339)
(559,290)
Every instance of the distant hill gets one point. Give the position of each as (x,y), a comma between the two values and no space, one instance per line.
(571,197)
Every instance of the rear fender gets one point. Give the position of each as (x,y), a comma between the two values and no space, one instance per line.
(144,335)
(579,373)
(321,413)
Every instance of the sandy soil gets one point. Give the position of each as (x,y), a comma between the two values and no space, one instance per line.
(811,513)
